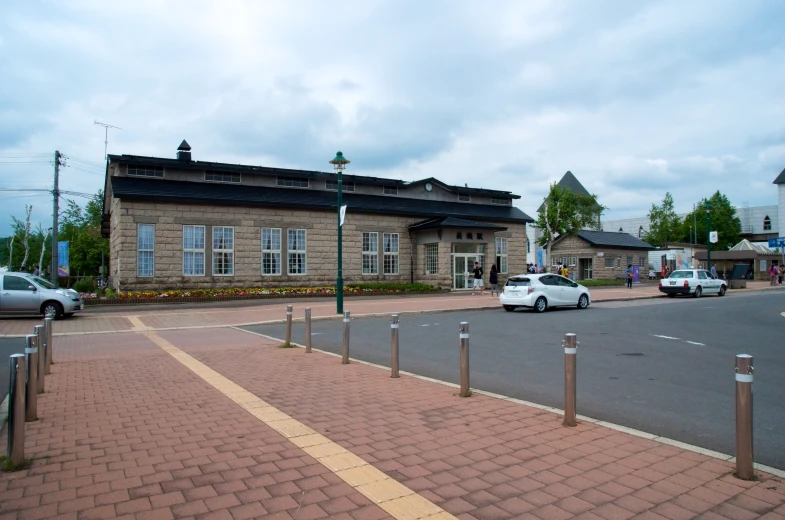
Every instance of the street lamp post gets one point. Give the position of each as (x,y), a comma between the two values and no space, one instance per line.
(708,236)
(340,164)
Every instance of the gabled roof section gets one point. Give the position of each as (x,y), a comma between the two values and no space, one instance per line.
(780,178)
(614,239)
(143,189)
(453,222)
(570,182)
(746,245)
(464,189)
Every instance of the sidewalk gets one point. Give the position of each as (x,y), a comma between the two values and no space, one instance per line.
(132,318)
(219,423)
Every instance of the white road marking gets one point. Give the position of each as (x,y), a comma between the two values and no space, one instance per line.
(664,337)
(425,325)
(316,333)
(695,343)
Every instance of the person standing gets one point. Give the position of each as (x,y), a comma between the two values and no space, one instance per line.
(477,278)
(630,274)
(714,271)
(773,274)
(493,280)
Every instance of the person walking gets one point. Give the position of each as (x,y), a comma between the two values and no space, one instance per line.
(477,278)
(773,274)
(714,271)
(781,272)
(36,272)
(630,274)
(493,280)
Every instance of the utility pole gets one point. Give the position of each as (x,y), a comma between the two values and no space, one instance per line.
(55,215)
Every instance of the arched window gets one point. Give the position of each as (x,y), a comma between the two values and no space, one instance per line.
(621,230)
(528,246)
(640,232)
(767,223)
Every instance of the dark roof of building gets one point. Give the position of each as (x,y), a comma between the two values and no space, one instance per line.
(570,182)
(311,174)
(453,222)
(184,146)
(613,239)
(780,178)
(132,188)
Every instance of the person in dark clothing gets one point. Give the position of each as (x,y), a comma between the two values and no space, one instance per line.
(494,281)
(630,274)
(477,278)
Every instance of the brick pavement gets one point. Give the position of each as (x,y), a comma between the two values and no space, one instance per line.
(128,431)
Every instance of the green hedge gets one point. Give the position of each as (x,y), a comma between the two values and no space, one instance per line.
(602,283)
(383,286)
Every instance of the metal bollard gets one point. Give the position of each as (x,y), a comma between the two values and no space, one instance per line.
(394,346)
(570,365)
(16,411)
(307,330)
(464,340)
(345,350)
(39,338)
(31,388)
(50,322)
(288,341)
(744,445)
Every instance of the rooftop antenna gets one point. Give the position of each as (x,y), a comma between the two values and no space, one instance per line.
(106,134)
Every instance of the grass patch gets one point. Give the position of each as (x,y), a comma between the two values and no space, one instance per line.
(6,465)
(602,283)
(286,345)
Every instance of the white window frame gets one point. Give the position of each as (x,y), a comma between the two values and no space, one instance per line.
(501,255)
(573,261)
(610,260)
(464,197)
(331,185)
(432,258)
(302,250)
(154,172)
(148,248)
(222,177)
(500,200)
(766,223)
(228,251)
(272,250)
(391,255)
(196,251)
(292,182)
(370,251)
(390,190)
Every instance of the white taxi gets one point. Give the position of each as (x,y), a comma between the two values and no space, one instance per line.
(540,291)
(693,282)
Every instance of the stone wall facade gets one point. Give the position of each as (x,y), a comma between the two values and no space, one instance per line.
(607,263)
(321,253)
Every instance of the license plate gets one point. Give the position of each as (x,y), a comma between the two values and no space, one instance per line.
(673,282)
(77,307)
(514,293)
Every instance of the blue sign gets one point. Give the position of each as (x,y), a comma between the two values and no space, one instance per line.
(777,242)
(62,259)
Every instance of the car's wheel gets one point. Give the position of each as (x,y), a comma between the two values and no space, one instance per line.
(583,301)
(52,307)
(671,295)
(541,305)
(698,292)
(509,308)
(722,290)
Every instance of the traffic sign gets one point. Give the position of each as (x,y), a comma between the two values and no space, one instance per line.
(777,242)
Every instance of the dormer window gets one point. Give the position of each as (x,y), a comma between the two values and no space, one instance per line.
(391,190)
(464,197)
(211,176)
(292,182)
(500,200)
(767,224)
(333,185)
(640,232)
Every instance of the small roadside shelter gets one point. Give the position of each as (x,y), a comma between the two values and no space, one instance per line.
(759,258)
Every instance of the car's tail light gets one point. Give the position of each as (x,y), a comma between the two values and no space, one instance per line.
(686,283)
(660,283)
(531,289)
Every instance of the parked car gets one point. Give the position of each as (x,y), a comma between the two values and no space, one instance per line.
(693,282)
(25,294)
(541,291)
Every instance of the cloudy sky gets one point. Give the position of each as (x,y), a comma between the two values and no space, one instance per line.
(635,98)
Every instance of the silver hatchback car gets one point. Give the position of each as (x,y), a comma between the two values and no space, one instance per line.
(25,294)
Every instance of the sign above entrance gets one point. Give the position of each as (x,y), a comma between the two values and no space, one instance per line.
(777,242)
(469,236)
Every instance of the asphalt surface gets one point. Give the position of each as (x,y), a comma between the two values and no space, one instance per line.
(680,386)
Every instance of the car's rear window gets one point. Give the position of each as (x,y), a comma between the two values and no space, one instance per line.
(518,282)
(681,274)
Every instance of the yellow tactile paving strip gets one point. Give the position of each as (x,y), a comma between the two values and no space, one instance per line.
(396,499)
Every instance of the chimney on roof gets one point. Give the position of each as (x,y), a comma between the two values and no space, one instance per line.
(184,152)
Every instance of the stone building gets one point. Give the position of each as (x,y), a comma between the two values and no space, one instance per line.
(600,255)
(179,224)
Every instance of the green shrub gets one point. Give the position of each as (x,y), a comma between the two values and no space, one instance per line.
(109,292)
(85,285)
(601,283)
(385,286)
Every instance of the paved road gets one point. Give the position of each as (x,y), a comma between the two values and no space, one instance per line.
(680,386)
(8,346)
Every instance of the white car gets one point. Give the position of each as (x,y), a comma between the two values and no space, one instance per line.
(540,291)
(693,282)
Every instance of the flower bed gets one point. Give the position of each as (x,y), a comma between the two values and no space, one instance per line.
(197,295)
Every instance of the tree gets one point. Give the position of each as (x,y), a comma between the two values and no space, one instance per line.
(81,228)
(723,220)
(665,225)
(565,211)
